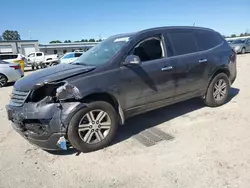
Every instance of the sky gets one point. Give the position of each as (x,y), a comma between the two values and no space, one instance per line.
(48,20)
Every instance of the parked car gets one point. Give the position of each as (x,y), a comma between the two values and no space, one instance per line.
(241,45)
(70,57)
(12,58)
(39,60)
(83,103)
(230,41)
(9,72)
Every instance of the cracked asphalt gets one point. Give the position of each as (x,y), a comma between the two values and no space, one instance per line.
(210,148)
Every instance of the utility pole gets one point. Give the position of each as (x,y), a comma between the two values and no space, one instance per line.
(30,37)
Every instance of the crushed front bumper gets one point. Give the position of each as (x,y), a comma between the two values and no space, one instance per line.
(43,124)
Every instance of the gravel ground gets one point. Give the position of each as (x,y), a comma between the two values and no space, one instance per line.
(210,149)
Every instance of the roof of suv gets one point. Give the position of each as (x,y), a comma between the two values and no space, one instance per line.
(162,28)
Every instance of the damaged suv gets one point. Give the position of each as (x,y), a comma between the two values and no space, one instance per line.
(81,104)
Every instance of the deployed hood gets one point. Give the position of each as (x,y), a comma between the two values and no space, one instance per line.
(51,74)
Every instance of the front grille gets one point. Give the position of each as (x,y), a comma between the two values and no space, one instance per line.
(18,97)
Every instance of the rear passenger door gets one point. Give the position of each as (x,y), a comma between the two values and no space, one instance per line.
(190,65)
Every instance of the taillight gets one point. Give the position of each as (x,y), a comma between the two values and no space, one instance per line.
(22,58)
(15,66)
(233,57)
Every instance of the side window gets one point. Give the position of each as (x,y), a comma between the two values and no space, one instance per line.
(207,40)
(78,54)
(183,43)
(149,49)
(69,56)
(6,57)
(39,54)
(31,55)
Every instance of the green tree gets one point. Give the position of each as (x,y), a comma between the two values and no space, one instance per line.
(233,35)
(242,34)
(55,41)
(11,35)
(1,38)
(84,40)
(67,41)
(91,40)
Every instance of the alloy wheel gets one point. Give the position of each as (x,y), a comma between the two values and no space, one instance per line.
(220,90)
(94,126)
(2,81)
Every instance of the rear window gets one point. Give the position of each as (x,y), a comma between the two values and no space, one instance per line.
(207,40)
(183,43)
(6,57)
(39,54)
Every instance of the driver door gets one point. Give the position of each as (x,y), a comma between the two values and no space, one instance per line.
(151,83)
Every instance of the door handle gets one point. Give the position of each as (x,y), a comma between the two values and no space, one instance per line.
(202,60)
(166,68)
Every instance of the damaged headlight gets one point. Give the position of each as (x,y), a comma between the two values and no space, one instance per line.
(68,91)
(56,91)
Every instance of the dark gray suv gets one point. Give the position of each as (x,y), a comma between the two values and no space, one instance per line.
(81,104)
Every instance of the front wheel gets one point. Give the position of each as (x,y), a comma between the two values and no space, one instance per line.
(218,90)
(94,127)
(243,51)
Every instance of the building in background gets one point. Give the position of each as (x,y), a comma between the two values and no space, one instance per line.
(62,48)
(24,47)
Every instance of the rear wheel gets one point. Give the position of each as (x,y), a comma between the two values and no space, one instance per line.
(218,90)
(93,127)
(3,80)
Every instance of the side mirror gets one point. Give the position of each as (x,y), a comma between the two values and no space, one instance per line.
(132,60)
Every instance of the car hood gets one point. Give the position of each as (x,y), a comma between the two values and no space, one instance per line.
(51,74)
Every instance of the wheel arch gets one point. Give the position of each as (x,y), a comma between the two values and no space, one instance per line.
(222,69)
(107,97)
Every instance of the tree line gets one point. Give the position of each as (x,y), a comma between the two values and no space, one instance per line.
(69,41)
(14,35)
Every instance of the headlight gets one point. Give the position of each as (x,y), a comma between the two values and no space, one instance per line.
(68,91)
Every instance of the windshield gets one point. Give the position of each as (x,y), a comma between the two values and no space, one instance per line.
(239,41)
(103,52)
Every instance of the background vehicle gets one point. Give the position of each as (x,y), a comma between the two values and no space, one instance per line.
(241,45)
(12,58)
(230,41)
(70,57)
(38,59)
(125,75)
(9,72)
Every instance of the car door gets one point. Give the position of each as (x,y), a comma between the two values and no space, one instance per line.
(39,57)
(189,64)
(149,84)
(248,45)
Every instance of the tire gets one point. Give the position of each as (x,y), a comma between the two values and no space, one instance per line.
(243,50)
(221,97)
(3,80)
(33,68)
(79,140)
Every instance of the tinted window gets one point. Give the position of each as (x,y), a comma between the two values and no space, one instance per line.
(39,54)
(149,49)
(207,40)
(183,43)
(78,54)
(5,57)
(239,41)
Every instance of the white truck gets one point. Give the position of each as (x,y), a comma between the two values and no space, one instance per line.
(40,60)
